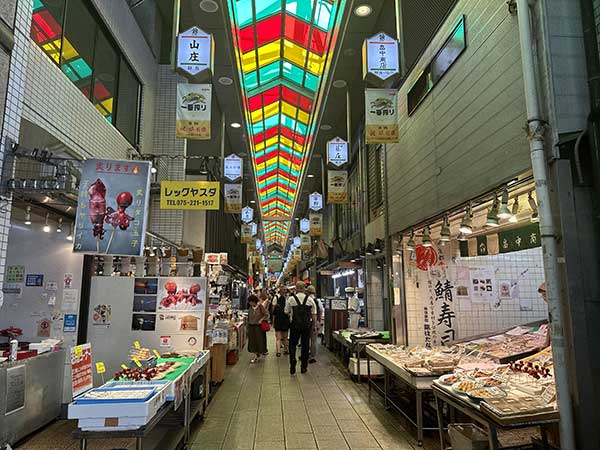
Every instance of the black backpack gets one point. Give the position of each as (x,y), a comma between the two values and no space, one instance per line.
(301,315)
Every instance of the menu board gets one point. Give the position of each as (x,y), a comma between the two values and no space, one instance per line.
(15,389)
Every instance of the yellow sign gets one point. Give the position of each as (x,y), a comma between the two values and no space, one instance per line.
(137,362)
(189,195)
(78,351)
(124,367)
(100,368)
(337,186)
(156,353)
(136,344)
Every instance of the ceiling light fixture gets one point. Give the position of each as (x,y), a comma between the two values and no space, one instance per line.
(326,127)
(535,217)
(235,125)
(363,10)
(445,231)
(426,240)
(209,6)
(310,175)
(515,210)
(504,212)
(462,237)
(466,225)
(225,81)
(28,215)
(59,227)
(339,84)
(70,235)
(47,224)
(153,169)
(492,216)
(252,202)
(410,245)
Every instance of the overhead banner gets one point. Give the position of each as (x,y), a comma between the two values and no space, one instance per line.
(316,224)
(337,186)
(232,167)
(247,214)
(113,205)
(337,152)
(233,198)
(191,195)
(246,234)
(380,57)
(381,116)
(297,255)
(195,50)
(305,242)
(315,201)
(193,111)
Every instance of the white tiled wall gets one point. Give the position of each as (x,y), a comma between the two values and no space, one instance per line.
(525,266)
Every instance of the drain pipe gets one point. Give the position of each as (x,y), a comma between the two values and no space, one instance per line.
(536,131)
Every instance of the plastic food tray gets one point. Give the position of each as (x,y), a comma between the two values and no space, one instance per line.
(83,398)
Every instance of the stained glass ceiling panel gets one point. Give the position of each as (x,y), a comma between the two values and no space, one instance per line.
(282,49)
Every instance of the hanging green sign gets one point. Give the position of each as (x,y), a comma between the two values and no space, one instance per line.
(482,246)
(520,238)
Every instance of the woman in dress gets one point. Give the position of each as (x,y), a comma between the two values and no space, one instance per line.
(256,341)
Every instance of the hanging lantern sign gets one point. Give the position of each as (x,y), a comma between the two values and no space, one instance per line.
(254,228)
(316,224)
(246,234)
(337,152)
(192,117)
(297,255)
(315,201)
(247,214)
(381,116)
(297,241)
(195,50)
(380,57)
(232,167)
(233,198)
(304,225)
(337,186)
(305,242)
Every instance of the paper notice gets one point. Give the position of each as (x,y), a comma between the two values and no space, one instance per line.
(70,299)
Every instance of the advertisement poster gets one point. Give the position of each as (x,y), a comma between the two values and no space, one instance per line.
(305,242)
(34,280)
(15,274)
(316,224)
(102,315)
(81,369)
(43,328)
(193,111)
(189,195)
(113,206)
(70,323)
(68,281)
(233,198)
(337,186)
(143,322)
(483,285)
(441,326)
(182,294)
(165,341)
(246,233)
(381,116)
(190,323)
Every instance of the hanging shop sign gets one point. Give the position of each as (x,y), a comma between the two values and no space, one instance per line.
(247,214)
(337,186)
(193,111)
(297,255)
(316,224)
(305,225)
(337,152)
(195,50)
(113,205)
(520,239)
(380,57)
(246,234)
(315,201)
(233,198)
(232,167)
(381,116)
(305,242)
(191,195)
(297,241)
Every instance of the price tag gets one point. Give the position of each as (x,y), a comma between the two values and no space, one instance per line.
(123,366)
(100,368)
(78,351)
(136,344)
(156,353)
(137,362)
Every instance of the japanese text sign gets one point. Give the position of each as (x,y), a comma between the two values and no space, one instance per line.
(193,111)
(337,152)
(337,186)
(316,224)
(304,225)
(520,238)
(232,167)
(112,207)
(233,198)
(315,201)
(189,195)
(247,214)
(380,56)
(194,51)
(381,116)
(81,369)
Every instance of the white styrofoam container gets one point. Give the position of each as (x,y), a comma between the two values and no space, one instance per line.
(125,423)
(376,368)
(203,360)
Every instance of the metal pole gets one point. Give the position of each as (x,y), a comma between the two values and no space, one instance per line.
(536,130)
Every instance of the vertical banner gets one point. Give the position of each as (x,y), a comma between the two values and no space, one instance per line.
(297,255)
(233,198)
(305,225)
(193,111)
(337,186)
(81,369)
(442,319)
(233,167)
(316,224)
(247,214)
(381,116)
(246,234)
(195,50)
(305,242)
(112,207)
(337,152)
(315,201)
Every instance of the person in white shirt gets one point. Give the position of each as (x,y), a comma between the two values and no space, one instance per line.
(353,308)
(303,315)
(314,338)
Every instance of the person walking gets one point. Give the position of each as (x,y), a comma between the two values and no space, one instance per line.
(281,323)
(256,337)
(263,299)
(314,337)
(353,308)
(303,313)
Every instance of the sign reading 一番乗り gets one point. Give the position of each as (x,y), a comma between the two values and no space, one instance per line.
(246,233)
(316,224)
(337,152)
(315,201)
(232,167)
(194,51)
(380,56)
(112,207)
(305,242)
(337,186)
(233,198)
(381,116)
(193,111)
(189,195)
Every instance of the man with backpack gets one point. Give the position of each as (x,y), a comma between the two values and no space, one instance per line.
(314,338)
(303,315)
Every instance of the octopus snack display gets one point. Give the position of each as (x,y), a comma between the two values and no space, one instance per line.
(186,294)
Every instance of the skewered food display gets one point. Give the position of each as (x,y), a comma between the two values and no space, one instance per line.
(149,373)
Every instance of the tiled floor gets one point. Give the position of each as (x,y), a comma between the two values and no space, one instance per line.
(260,406)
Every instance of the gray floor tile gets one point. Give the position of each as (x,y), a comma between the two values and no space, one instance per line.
(360,441)
(300,441)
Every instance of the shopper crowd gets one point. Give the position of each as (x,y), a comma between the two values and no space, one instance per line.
(297,316)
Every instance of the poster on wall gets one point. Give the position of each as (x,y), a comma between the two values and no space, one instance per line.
(337,186)
(483,284)
(15,389)
(113,205)
(34,280)
(102,315)
(143,322)
(182,294)
(145,286)
(193,111)
(233,198)
(15,274)
(81,369)
(43,328)
(70,323)
(67,281)
(381,116)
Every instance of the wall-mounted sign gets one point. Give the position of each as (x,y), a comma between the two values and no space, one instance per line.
(34,279)
(337,152)
(15,274)
(193,111)
(247,214)
(233,198)
(189,195)
(81,369)
(70,323)
(316,224)
(232,167)
(304,225)
(380,56)
(113,204)
(337,186)
(195,50)
(315,201)
(381,116)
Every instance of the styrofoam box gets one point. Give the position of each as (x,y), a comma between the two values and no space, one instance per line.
(202,360)
(376,368)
